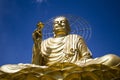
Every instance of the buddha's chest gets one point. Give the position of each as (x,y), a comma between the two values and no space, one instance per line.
(59,46)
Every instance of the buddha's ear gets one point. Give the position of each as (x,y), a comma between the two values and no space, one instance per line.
(54,34)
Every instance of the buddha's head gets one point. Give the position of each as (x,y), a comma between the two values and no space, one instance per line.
(61,26)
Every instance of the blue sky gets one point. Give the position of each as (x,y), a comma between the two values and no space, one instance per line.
(18,20)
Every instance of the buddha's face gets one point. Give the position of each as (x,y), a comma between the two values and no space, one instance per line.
(60,26)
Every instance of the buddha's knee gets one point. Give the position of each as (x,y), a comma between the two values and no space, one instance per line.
(112,59)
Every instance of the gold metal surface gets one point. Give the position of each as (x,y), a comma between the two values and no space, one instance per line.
(64,56)
(66,72)
(65,47)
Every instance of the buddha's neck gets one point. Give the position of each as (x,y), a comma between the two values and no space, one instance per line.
(57,36)
(60,35)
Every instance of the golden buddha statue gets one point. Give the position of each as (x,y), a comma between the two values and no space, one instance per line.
(65,47)
(64,56)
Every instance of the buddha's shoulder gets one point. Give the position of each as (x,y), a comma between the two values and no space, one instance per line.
(68,36)
(74,35)
(47,40)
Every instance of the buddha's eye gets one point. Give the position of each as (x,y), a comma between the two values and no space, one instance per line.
(63,21)
(56,22)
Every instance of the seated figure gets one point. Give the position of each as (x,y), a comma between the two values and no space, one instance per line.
(64,56)
(65,47)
